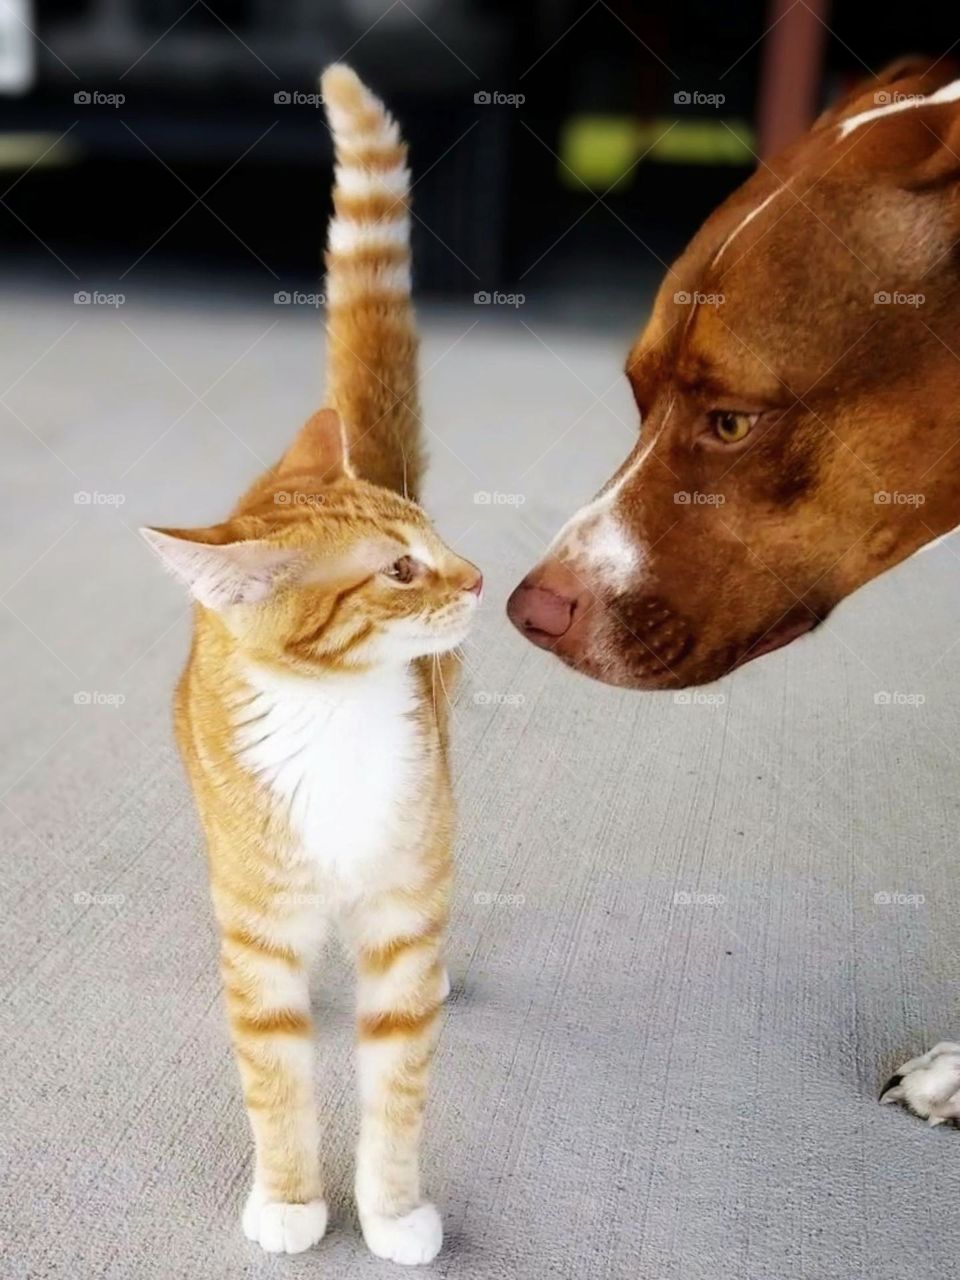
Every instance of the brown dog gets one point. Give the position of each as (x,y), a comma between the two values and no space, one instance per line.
(799,390)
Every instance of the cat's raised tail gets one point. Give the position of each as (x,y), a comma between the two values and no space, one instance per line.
(372,341)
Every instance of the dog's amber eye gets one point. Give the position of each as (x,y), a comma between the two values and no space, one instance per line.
(404,570)
(730,426)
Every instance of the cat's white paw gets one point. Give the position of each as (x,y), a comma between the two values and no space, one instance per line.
(929,1085)
(412,1239)
(283,1228)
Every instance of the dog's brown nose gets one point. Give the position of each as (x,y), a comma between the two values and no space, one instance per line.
(545,603)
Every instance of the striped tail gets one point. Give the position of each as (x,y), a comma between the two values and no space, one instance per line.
(372,340)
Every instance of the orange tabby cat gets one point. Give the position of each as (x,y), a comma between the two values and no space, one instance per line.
(311,720)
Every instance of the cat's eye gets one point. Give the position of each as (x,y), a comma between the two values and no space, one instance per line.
(730,426)
(405,570)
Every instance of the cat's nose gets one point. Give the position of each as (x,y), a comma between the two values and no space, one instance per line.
(476,586)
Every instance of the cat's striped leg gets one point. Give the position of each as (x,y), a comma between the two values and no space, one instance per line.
(268,1007)
(400,987)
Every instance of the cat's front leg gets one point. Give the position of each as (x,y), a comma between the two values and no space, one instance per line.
(268,1006)
(400,988)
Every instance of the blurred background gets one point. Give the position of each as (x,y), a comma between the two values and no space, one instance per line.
(566,149)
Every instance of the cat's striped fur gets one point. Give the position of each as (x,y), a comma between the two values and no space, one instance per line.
(311,721)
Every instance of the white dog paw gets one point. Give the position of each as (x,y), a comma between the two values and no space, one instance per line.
(929,1085)
(283,1228)
(412,1239)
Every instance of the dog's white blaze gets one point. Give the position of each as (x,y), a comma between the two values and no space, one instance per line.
(948,93)
(595,539)
(340,755)
(745,222)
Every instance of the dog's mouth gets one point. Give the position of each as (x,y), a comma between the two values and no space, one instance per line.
(776,637)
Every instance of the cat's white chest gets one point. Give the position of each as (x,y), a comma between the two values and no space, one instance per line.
(341,755)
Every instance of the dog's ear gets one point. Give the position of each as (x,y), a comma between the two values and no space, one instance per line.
(918,145)
(879,90)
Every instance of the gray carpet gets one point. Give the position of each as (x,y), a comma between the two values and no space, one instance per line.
(676,991)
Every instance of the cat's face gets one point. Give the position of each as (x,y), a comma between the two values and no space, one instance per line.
(375,585)
(340,575)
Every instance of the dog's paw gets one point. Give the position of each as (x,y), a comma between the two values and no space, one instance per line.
(412,1239)
(283,1228)
(928,1085)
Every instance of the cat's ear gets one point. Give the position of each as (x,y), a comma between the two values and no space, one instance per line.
(320,445)
(218,571)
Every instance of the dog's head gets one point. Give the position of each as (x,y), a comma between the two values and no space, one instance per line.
(799,391)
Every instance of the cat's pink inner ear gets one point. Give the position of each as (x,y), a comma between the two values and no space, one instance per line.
(222,575)
(320,446)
